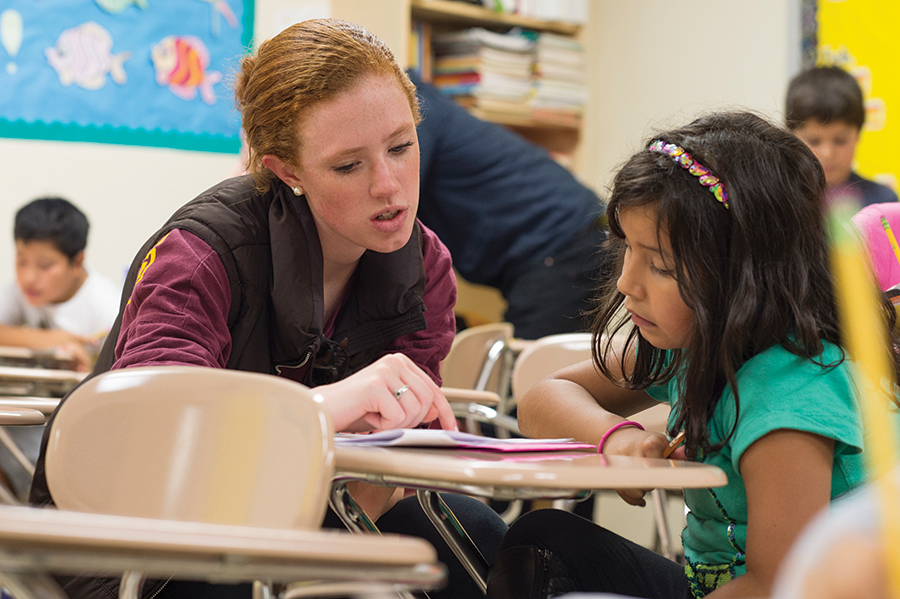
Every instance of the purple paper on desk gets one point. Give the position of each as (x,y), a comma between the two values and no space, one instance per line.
(435,438)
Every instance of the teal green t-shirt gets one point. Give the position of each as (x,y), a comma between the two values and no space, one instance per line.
(778,390)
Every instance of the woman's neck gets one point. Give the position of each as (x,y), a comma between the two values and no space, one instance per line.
(336,277)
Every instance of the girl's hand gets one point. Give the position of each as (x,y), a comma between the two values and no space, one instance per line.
(679,454)
(632,441)
(390,393)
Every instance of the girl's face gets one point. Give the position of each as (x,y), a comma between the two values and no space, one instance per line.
(648,281)
(359,169)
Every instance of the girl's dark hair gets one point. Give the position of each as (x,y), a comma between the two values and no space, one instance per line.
(756,275)
(55,220)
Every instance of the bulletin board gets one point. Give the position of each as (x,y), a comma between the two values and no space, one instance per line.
(135,72)
(858,35)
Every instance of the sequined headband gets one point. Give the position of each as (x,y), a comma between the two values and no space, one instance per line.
(687,162)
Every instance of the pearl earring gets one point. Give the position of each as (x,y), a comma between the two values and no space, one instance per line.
(297,191)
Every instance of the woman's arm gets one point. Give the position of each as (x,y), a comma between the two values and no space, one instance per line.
(178,309)
(787,477)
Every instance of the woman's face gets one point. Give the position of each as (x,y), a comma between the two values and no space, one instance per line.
(359,168)
(648,281)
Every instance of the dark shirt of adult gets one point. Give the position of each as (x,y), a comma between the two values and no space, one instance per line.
(508,212)
(869,192)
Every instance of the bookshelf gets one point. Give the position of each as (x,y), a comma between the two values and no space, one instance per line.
(393,21)
(466,15)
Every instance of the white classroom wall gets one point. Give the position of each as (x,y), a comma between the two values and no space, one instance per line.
(653,62)
(657,64)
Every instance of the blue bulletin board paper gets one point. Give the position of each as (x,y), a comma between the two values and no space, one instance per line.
(135,72)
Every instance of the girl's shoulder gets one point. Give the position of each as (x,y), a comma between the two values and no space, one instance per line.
(778,359)
(816,385)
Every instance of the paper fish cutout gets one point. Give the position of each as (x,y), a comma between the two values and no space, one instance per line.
(83,56)
(117,6)
(181,63)
(216,8)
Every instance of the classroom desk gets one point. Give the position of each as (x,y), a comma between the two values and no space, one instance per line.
(14,416)
(502,476)
(18,414)
(20,380)
(44,405)
(34,542)
(34,358)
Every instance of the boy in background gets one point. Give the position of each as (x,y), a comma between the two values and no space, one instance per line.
(825,109)
(55,300)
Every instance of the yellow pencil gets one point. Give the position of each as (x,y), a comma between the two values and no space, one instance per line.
(674,444)
(868,346)
(890,236)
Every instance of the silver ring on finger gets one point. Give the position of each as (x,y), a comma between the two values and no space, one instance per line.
(400,391)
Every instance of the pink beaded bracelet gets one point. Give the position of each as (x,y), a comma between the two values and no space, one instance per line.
(613,429)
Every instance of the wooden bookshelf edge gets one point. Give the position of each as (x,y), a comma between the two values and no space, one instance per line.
(544,121)
(458,12)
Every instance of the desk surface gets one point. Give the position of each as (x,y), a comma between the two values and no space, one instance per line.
(525,475)
(44,405)
(34,358)
(34,539)
(17,373)
(14,416)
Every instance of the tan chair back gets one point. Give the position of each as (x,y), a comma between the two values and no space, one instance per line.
(542,357)
(466,363)
(549,354)
(194,444)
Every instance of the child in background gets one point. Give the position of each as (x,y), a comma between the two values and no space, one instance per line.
(825,109)
(55,300)
(723,268)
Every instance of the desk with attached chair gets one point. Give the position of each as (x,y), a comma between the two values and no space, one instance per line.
(210,447)
(503,476)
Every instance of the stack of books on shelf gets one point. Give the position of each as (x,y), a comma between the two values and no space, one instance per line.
(559,90)
(484,69)
(420,50)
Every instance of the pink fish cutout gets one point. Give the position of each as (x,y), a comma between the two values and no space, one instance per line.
(83,56)
(181,63)
(217,7)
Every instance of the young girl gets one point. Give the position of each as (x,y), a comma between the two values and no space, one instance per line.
(723,271)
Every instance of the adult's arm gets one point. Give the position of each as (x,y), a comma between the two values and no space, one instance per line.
(178,310)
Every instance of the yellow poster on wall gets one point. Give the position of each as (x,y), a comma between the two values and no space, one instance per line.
(857,35)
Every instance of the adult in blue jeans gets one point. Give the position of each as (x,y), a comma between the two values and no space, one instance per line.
(512,217)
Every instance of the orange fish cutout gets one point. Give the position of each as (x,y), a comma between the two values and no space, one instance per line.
(181,63)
